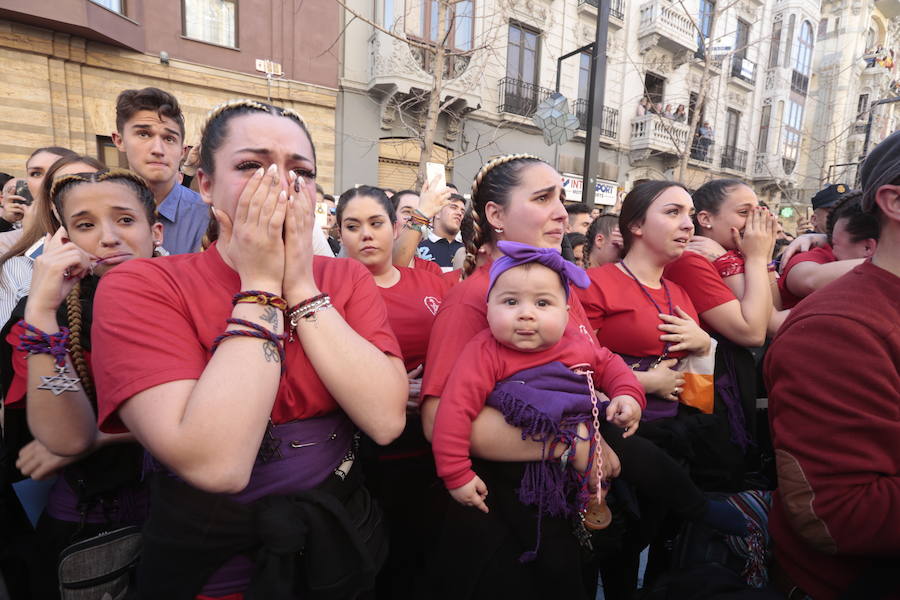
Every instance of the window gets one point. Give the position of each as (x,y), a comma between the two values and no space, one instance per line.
(108,154)
(692,106)
(837,24)
(803,47)
(823,27)
(790,37)
(765,119)
(732,125)
(113,5)
(775,45)
(519,91)
(463,23)
(522,54)
(862,105)
(387,14)
(654,88)
(584,76)
(792,134)
(741,39)
(707,9)
(460,19)
(213,21)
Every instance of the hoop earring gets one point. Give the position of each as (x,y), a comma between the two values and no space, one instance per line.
(498,230)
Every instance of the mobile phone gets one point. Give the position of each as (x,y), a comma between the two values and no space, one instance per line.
(321,215)
(24,193)
(436,169)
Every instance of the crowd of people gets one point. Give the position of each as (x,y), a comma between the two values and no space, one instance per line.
(251,389)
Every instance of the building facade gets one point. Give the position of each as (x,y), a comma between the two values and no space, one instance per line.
(773,92)
(64,62)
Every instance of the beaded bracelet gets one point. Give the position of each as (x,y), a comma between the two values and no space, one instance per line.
(53,344)
(261,298)
(259,332)
(307,312)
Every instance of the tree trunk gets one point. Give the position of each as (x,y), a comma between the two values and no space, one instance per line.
(701,97)
(432,112)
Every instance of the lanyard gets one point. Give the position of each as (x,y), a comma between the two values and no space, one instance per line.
(649,297)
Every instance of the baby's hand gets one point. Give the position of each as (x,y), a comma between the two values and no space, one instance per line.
(625,412)
(472,494)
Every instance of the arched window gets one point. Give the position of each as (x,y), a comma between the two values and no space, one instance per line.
(803,49)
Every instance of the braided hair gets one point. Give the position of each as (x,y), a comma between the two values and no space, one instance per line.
(492,184)
(215,130)
(76,350)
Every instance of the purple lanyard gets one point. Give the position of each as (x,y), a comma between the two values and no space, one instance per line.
(650,298)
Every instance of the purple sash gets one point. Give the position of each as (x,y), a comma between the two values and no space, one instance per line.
(657,407)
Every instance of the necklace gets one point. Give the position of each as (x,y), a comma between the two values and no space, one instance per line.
(653,301)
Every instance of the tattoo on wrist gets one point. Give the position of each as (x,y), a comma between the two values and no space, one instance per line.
(270,316)
(270,351)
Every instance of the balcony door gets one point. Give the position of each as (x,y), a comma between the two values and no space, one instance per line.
(522,74)
(732,125)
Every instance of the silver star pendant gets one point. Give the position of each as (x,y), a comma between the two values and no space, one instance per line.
(59,383)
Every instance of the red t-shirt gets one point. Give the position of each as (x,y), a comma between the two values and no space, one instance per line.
(702,282)
(452,277)
(427,265)
(482,363)
(625,318)
(463,315)
(155,321)
(412,304)
(821,256)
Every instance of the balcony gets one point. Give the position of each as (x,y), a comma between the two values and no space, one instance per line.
(743,70)
(799,82)
(658,134)
(609,124)
(616,11)
(666,25)
(397,67)
(734,159)
(519,97)
(702,152)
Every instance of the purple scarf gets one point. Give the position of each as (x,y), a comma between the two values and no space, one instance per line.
(515,254)
(547,403)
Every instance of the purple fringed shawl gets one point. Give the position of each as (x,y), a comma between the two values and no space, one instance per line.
(547,402)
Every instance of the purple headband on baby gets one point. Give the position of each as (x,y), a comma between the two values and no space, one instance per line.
(515,254)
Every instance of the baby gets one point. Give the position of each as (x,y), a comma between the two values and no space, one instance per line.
(541,372)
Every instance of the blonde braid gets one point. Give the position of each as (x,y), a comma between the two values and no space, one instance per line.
(496,162)
(252,104)
(76,352)
(481,228)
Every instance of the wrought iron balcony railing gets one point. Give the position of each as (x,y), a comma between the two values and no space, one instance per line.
(734,158)
(520,97)
(702,150)
(743,69)
(616,8)
(609,124)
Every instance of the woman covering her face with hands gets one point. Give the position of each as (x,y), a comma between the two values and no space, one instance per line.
(245,371)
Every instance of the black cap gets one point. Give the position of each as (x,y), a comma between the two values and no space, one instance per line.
(881,167)
(829,196)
